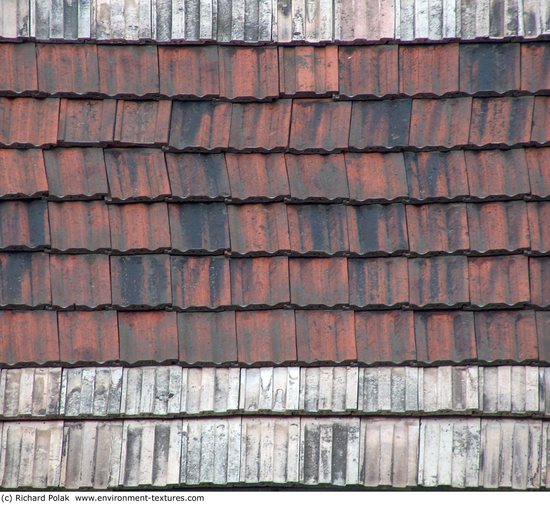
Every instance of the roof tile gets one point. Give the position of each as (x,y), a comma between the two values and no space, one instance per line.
(81,280)
(207,337)
(148,336)
(25,279)
(325,335)
(378,281)
(385,336)
(200,281)
(539,226)
(15,57)
(142,122)
(24,225)
(368,70)
(543,330)
(541,120)
(538,165)
(86,122)
(88,336)
(266,336)
(22,173)
(535,65)
(539,276)
(141,280)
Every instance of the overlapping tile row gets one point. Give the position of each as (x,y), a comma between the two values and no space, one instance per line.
(269,20)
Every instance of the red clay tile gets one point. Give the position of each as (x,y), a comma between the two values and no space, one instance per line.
(86,121)
(263,126)
(325,335)
(207,337)
(15,58)
(141,280)
(383,123)
(444,336)
(139,227)
(28,336)
(308,70)
(260,281)
(81,280)
(128,70)
(368,70)
(266,336)
(320,229)
(25,279)
(22,173)
(499,280)
(436,175)
(438,280)
(189,71)
(317,177)
(248,72)
(504,120)
(378,281)
(543,330)
(506,335)
(376,176)
(539,276)
(200,281)
(137,174)
(428,69)
(539,226)
(198,176)
(541,120)
(67,68)
(489,67)
(199,227)
(377,228)
(498,226)
(29,121)
(24,225)
(319,125)
(538,166)
(438,227)
(318,281)
(257,176)
(148,336)
(385,336)
(259,228)
(200,125)
(79,226)
(497,173)
(88,336)
(76,172)
(535,66)
(142,122)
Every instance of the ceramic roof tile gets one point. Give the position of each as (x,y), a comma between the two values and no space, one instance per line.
(189,71)
(248,72)
(201,125)
(539,223)
(22,173)
(142,122)
(86,122)
(307,70)
(199,227)
(539,276)
(198,176)
(438,227)
(207,337)
(538,166)
(541,119)
(318,281)
(368,70)
(493,68)
(502,280)
(24,225)
(200,281)
(535,62)
(378,281)
(260,281)
(141,280)
(377,228)
(543,331)
(14,58)
(266,336)
(68,232)
(76,172)
(25,279)
(81,280)
(67,68)
(325,335)
(88,336)
(148,336)
(128,70)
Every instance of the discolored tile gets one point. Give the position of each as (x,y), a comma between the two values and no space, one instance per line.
(15,57)
(538,166)
(539,226)
(24,225)
(25,279)
(541,120)
(539,277)
(535,65)
(142,122)
(86,122)
(22,173)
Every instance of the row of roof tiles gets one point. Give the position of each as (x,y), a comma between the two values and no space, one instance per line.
(269,20)
(270,72)
(275,336)
(302,125)
(142,174)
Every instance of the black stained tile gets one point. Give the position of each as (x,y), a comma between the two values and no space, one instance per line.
(24,225)
(25,279)
(541,120)
(543,334)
